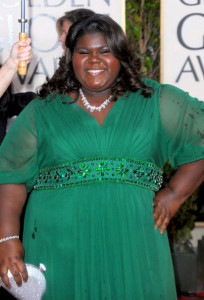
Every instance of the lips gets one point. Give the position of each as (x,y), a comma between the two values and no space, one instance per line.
(95,72)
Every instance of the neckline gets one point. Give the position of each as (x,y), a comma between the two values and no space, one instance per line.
(112,109)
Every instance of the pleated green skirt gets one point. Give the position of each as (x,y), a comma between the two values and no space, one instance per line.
(98,243)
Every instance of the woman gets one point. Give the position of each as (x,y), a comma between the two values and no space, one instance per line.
(95,145)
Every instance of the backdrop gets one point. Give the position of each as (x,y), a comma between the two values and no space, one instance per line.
(42,16)
(182,51)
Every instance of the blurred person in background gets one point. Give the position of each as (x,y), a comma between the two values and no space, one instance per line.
(63,23)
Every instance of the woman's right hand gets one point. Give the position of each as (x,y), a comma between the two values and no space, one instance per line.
(12,201)
(11,258)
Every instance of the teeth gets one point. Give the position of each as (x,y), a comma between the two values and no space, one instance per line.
(95,71)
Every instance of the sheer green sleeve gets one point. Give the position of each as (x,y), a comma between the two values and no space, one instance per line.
(182,118)
(18,152)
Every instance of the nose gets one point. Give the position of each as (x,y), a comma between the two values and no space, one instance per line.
(62,38)
(94,57)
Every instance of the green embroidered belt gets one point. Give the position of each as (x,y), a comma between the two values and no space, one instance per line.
(101,169)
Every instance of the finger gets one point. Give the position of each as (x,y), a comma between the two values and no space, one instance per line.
(16,274)
(160,219)
(165,224)
(25,50)
(16,45)
(22,44)
(22,269)
(155,204)
(4,277)
(157,212)
(28,41)
(26,58)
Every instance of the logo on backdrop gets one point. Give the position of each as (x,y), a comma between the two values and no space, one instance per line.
(190,65)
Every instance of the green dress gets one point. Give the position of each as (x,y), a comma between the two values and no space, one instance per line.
(89,215)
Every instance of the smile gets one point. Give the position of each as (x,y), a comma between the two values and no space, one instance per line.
(95,72)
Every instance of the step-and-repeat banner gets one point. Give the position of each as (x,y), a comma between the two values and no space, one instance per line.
(182,47)
(41,27)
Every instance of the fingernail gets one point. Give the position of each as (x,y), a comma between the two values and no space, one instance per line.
(155,228)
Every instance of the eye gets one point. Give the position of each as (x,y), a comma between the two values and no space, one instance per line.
(83,52)
(105,51)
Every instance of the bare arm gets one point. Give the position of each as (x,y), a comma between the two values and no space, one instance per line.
(168,200)
(10,67)
(12,200)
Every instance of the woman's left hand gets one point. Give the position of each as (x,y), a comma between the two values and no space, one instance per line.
(165,204)
(167,201)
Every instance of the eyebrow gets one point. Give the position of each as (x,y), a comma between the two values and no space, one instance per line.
(86,48)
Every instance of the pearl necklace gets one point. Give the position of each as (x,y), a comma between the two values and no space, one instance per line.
(90,107)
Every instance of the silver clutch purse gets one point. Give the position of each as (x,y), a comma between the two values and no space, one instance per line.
(33,289)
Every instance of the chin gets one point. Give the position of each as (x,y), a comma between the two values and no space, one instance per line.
(97,87)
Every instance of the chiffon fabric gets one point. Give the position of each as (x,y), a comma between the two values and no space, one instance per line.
(97,240)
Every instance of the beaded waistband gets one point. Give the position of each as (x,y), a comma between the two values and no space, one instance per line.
(102,169)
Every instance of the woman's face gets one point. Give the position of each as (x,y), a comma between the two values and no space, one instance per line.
(94,65)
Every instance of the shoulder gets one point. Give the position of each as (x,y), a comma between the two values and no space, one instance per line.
(171,89)
(160,86)
(48,102)
(175,94)
(151,83)
(156,87)
(168,91)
